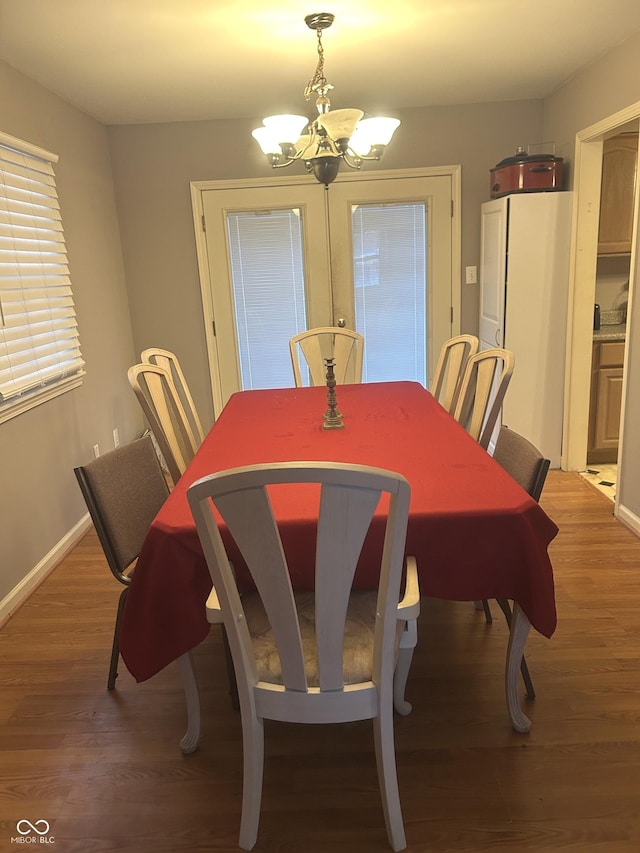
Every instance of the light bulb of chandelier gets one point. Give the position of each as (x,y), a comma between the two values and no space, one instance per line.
(340,124)
(267,140)
(373,134)
(287,128)
(279,133)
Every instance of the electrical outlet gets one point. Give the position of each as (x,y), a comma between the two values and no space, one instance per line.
(116,438)
(471,275)
(96,450)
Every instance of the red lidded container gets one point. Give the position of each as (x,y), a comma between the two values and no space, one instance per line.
(526,173)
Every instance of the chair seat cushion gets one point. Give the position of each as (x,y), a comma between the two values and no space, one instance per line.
(358,638)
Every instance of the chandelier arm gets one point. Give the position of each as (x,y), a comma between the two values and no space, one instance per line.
(276,164)
(286,158)
(350,154)
(352,162)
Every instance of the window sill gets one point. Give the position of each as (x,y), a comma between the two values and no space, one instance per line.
(13,408)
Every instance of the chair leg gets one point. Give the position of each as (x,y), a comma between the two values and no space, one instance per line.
(253,768)
(524,669)
(484,605)
(191,738)
(487,611)
(408,642)
(115,648)
(388,775)
(231,673)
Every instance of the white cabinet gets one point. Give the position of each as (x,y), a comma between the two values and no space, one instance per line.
(524,274)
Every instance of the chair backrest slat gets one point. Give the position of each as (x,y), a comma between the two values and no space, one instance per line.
(345,346)
(169,361)
(483,387)
(166,416)
(312,350)
(450,368)
(345,518)
(250,521)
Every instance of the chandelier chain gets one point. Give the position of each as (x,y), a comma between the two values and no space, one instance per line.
(318,81)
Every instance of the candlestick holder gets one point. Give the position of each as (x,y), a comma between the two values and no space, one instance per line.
(332,417)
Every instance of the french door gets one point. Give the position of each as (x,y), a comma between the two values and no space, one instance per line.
(370,254)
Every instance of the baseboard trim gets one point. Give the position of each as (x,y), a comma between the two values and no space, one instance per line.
(19,594)
(629,519)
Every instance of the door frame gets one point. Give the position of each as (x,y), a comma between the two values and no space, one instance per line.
(199,187)
(582,288)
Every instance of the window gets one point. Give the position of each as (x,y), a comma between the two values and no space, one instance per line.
(39,347)
(267,269)
(390,265)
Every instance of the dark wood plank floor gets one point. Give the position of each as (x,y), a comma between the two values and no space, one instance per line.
(105,771)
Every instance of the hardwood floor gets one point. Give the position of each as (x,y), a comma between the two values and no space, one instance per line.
(104,769)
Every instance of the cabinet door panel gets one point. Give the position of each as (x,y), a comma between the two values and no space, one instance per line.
(609,403)
(619,158)
(611,354)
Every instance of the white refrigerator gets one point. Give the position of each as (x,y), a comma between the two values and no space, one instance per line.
(524,276)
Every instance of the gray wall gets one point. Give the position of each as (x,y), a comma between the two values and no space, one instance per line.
(597,92)
(153,165)
(39,500)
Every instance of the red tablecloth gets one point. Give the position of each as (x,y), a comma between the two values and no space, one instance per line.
(475,533)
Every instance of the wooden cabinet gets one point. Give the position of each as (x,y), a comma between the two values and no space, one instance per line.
(606,400)
(619,159)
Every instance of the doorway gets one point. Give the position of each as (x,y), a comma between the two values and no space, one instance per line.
(582,297)
(615,235)
(375,252)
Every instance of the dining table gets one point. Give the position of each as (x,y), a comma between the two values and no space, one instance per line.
(474,531)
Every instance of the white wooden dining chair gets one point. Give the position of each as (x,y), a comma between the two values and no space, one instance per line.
(483,386)
(529,468)
(166,416)
(169,361)
(321,656)
(124,490)
(452,360)
(345,346)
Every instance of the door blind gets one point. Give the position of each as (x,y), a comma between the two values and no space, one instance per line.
(390,282)
(39,344)
(266,253)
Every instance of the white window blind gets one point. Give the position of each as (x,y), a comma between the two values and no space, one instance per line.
(390,280)
(39,346)
(267,269)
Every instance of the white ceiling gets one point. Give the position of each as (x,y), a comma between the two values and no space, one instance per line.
(129,61)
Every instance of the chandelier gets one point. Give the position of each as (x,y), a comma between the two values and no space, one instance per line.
(333,137)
